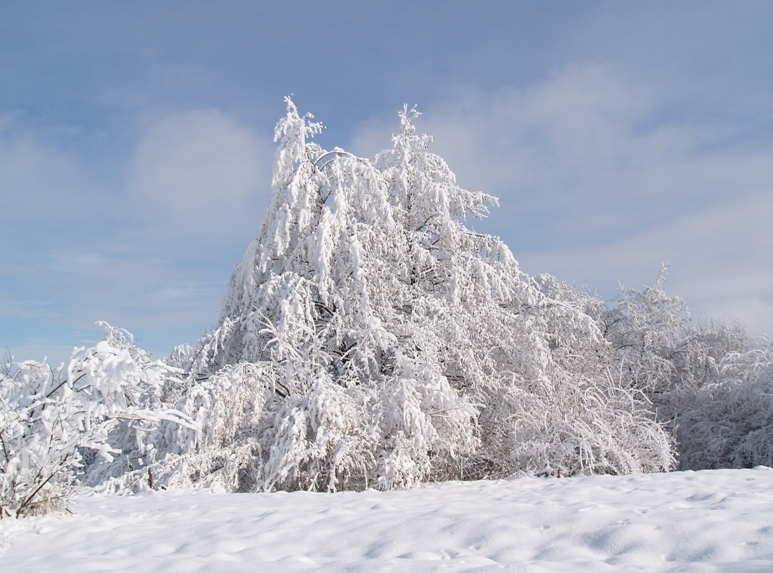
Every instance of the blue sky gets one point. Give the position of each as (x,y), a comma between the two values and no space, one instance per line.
(135,144)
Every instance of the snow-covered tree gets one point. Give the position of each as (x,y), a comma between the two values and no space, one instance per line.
(709,384)
(374,339)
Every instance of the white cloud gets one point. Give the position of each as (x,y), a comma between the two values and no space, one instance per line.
(755,314)
(199,173)
(25,307)
(134,289)
(149,251)
(720,258)
(39,181)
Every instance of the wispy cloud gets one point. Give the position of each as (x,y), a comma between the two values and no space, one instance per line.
(39,181)
(144,251)
(14,305)
(198,174)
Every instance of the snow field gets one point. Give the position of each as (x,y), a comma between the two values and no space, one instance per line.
(718,520)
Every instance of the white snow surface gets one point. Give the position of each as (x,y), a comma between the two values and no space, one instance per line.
(713,520)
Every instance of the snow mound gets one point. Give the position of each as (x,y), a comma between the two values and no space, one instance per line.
(706,521)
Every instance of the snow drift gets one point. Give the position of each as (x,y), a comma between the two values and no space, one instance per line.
(714,521)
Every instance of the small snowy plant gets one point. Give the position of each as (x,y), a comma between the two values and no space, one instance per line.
(50,419)
(726,421)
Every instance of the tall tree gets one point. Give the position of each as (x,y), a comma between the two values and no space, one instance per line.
(366,294)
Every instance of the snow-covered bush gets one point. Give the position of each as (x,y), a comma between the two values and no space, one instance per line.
(39,446)
(651,333)
(659,346)
(709,384)
(50,420)
(727,422)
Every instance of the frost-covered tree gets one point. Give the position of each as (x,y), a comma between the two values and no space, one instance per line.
(370,338)
(374,339)
(650,331)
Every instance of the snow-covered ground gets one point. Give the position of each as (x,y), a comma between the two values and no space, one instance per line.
(684,521)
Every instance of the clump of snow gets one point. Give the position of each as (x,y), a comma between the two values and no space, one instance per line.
(707,521)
